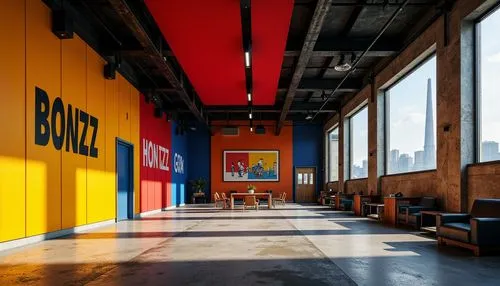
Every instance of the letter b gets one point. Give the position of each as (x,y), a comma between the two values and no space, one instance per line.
(42,110)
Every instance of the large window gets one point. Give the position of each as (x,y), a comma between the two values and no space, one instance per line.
(358,131)
(411,121)
(488,92)
(333,155)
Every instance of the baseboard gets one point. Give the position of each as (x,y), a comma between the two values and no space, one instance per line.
(148,213)
(51,235)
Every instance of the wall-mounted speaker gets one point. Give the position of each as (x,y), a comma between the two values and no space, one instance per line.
(110,71)
(230,130)
(260,129)
(62,25)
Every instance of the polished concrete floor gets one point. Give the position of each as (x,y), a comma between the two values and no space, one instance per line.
(292,245)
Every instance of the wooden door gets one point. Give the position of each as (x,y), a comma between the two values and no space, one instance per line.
(305,184)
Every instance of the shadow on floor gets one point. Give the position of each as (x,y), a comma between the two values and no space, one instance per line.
(319,272)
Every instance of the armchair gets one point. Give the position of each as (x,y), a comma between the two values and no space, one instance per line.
(475,231)
(410,215)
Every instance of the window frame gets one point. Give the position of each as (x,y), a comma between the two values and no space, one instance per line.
(387,103)
(477,83)
(354,113)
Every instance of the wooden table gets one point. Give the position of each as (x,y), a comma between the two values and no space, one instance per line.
(392,205)
(423,225)
(269,196)
(379,209)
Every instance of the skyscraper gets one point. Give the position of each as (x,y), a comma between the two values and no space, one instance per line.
(489,151)
(429,147)
(419,161)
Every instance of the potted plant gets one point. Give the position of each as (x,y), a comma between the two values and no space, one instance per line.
(251,188)
(198,185)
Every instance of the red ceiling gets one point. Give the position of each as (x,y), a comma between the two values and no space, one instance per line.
(206,38)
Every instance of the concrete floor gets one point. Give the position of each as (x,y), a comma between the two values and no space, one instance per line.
(295,245)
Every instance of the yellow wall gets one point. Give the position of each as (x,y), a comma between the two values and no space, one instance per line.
(12,144)
(43,189)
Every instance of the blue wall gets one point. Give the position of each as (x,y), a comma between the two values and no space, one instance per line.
(308,150)
(179,165)
(199,158)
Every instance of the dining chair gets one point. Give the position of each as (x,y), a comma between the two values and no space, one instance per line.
(226,199)
(219,200)
(251,202)
(280,200)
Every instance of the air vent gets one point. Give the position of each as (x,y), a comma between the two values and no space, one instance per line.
(230,130)
(260,129)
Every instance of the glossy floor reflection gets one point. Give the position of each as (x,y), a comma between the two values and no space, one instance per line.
(293,245)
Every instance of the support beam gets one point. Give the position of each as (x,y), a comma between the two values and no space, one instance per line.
(320,12)
(335,46)
(327,83)
(155,56)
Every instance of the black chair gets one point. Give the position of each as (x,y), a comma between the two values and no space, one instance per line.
(410,215)
(475,231)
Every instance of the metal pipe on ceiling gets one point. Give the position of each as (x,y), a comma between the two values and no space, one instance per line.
(380,33)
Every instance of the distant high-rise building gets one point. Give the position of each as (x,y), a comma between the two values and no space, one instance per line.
(333,152)
(489,151)
(429,147)
(393,161)
(405,163)
(365,168)
(419,161)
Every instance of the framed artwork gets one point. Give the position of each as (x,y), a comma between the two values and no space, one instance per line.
(251,166)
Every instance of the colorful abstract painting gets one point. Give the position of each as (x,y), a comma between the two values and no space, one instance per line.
(245,166)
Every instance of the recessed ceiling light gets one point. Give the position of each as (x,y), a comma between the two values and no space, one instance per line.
(250,115)
(247,59)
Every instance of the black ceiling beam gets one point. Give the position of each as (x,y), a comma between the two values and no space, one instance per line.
(155,56)
(327,83)
(352,19)
(264,110)
(335,46)
(246,29)
(320,12)
(383,4)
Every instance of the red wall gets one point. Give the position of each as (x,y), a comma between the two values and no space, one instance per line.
(250,141)
(155,181)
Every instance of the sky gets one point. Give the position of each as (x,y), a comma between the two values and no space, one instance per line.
(490,75)
(360,136)
(407,109)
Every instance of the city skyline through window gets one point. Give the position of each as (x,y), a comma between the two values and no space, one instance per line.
(359,144)
(488,92)
(333,155)
(411,119)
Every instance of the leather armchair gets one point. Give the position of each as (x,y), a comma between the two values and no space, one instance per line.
(479,229)
(410,215)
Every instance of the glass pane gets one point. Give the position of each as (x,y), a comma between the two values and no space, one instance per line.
(411,118)
(299,178)
(311,179)
(333,155)
(305,179)
(359,144)
(489,59)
